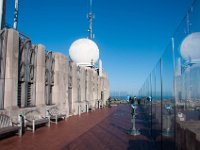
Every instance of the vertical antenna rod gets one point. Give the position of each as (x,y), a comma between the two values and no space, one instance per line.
(90,18)
(16,14)
(2,13)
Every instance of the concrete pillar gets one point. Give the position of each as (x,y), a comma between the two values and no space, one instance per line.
(90,88)
(86,90)
(60,88)
(11,74)
(105,87)
(86,84)
(102,88)
(82,82)
(99,88)
(3,44)
(74,88)
(40,75)
(96,88)
(79,109)
(82,89)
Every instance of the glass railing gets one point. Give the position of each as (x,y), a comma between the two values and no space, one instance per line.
(174,86)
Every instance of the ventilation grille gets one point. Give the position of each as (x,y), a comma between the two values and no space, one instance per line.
(29,95)
(19,96)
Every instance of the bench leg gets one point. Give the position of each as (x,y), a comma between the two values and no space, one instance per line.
(20,125)
(65,118)
(56,119)
(49,122)
(33,126)
(20,131)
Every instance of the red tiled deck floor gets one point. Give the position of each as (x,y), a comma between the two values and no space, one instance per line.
(111,134)
(104,129)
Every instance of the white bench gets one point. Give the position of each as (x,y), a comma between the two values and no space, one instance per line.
(55,114)
(33,118)
(7,126)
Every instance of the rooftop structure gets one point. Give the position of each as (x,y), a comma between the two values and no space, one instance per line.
(84,52)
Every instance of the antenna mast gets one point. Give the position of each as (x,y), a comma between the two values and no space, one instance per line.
(16,14)
(2,14)
(90,18)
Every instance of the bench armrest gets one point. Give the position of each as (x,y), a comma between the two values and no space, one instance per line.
(29,120)
(44,117)
(15,123)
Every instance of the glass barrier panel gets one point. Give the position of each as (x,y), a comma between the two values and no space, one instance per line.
(156,105)
(168,102)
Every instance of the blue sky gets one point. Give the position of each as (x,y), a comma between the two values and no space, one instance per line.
(131,34)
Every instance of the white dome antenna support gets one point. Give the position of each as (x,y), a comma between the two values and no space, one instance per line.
(16,14)
(90,17)
(84,52)
(2,13)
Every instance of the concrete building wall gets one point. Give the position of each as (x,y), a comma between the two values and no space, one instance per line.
(3,48)
(11,72)
(95,97)
(40,75)
(98,87)
(82,88)
(95,76)
(74,83)
(60,88)
(84,83)
(82,80)
(102,88)
(90,88)
(86,89)
(106,88)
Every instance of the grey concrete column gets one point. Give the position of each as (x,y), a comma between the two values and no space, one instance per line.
(82,89)
(3,48)
(99,88)
(74,88)
(82,83)
(86,84)
(40,75)
(90,87)
(105,87)
(60,88)
(86,90)
(95,100)
(11,73)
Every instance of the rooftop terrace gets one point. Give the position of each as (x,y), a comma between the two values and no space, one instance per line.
(105,128)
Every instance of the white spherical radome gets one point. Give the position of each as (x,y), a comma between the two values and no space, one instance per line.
(190,47)
(84,52)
